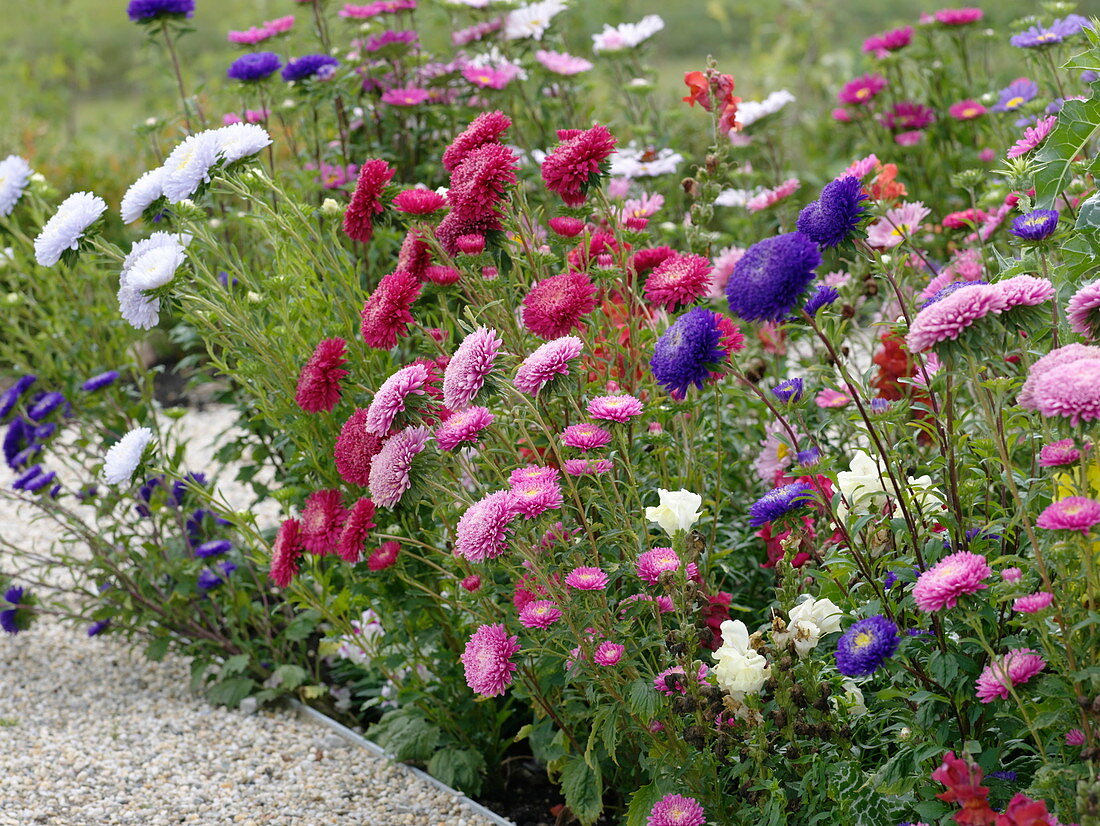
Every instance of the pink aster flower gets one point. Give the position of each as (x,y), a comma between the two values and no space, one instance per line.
(418,201)
(949,317)
(664,604)
(1071,390)
(391,470)
(322,521)
(556,305)
(469,367)
(442,275)
(1074,513)
(862,90)
(319,382)
(462,427)
(953,576)
(472,244)
(286,553)
(909,138)
(966,110)
(405,96)
(385,556)
(1055,358)
(830,398)
(1083,311)
(587,578)
(491,77)
(366,201)
(900,223)
(770,197)
(561,63)
(585,436)
(1025,291)
(488,660)
(724,263)
(587,467)
(470,583)
(1075,737)
(881,45)
(547,363)
(860,168)
(1017,666)
(541,613)
(1011,574)
(678,683)
(566,226)
(651,564)
(394,396)
(534,498)
(679,279)
(385,315)
(1033,136)
(357,527)
(676,810)
(615,408)
(1033,603)
(534,475)
(957,17)
(1060,453)
(608,653)
(484,528)
(486,128)
(355,450)
(569,168)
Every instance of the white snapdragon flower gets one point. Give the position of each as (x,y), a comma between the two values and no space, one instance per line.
(678,511)
(124,455)
(740,670)
(866,484)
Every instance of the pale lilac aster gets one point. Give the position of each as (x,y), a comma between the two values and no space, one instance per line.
(587,578)
(626,35)
(561,63)
(651,564)
(535,498)
(615,408)
(469,367)
(953,576)
(392,397)
(124,455)
(1033,136)
(67,226)
(1060,453)
(533,474)
(390,472)
(464,426)
(547,363)
(14,175)
(541,613)
(676,810)
(488,660)
(1011,574)
(483,530)
(1070,390)
(142,194)
(1083,311)
(608,653)
(585,436)
(771,197)
(1025,291)
(1054,359)
(1033,603)
(900,223)
(1017,666)
(949,317)
(587,467)
(1074,513)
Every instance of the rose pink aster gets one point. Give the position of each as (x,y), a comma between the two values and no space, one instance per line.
(534,498)
(1071,390)
(585,436)
(488,660)
(724,263)
(1011,574)
(771,197)
(534,474)
(966,110)
(1017,666)
(566,226)
(587,578)
(1075,737)
(1033,136)
(442,275)
(469,367)
(461,427)
(1025,291)
(561,63)
(472,244)
(415,255)
(355,449)
(651,564)
(953,576)
(488,127)
(881,45)
(859,168)
(547,363)
(958,17)
(679,279)
(676,810)
(393,397)
(418,201)
(1074,513)
(615,408)
(1083,311)
(405,96)
(949,317)
(541,613)
(862,90)
(491,77)
(384,556)
(322,521)
(319,382)
(556,305)
(1055,358)
(470,583)
(1033,603)
(576,161)
(664,604)
(478,185)
(286,553)
(366,201)
(1060,453)
(391,470)
(357,527)
(483,530)
(830,398)
(608,653)
(898,224)
(587,467)
(385,315)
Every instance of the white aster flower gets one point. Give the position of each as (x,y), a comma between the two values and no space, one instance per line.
(678,511)
(142,193)
(531,21)
(123,457)
(750,111)
(241,140)
(740,670)
(627,35)
(67,226)
(155,268)
(632,162)
(158,240)
(138,309)
(14,175)
(737,197)
(189,165)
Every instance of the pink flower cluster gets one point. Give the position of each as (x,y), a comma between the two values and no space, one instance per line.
(1017,666)
(265,31)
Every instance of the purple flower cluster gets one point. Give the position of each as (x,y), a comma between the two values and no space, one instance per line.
(254,66)
(771,276)
(310,65)
(1039,36)
(143,11)
(688,352)
(835,214)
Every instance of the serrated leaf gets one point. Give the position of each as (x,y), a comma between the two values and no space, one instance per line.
(642,698)
(288,677)
(235,665)
(1088,214)
(156,650)
(458,768)
(642,803)
(230,692)
(582,786)
(1078,124)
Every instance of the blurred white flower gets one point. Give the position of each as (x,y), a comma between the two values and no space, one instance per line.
(14,175)
(626,35)
(750,111)
(678,511)
(531,21)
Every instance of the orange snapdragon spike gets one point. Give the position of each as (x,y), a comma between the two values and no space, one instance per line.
(885,187)
(699,89)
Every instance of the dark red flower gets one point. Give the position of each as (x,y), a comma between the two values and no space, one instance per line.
(572,165)
(360,521)
(415,256)
(319,382)
(355,448)
(322,521)
(488,127)
(366,201)
(286,553)
(556,305)
(385,315)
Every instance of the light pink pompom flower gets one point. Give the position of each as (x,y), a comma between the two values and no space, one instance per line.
(535,498)
(953,314)
(533,474)
(469,367)
(587,467)
(1074,513)
(392,397)
(900,223)
(541,613)
(678,280)
(608,653)
(391,469)
(1070,390)
(585,436)
(1012,574)
(488,660)
(652,564)
(1025,291)
(953,576)
(1033,603)
(1060,453)
(463,427)
(1017,666)
(1053,359)
(619,409)
(587,578)
(547,363)
(1083,311)
(771,197)
(483,530)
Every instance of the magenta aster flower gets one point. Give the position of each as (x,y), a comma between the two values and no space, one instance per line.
(469,367)
(966,110)
(1083,311)
(391,469)
(862,90)
(360,521)
(1033,136)
(470,583)
(1060,453)
(608,653)
(1025,291)
(322,521)
(578,159)
(1033,603)
(557,305)
(384,556)
(1011,574)
(1074,513)
(286,553)
(953,576)
(651,564)
(534,498)
(908,115)
(664,604)
(405,96)
(1055,358)
(461,427)
(679,279)
(488,660)
(561,63)
(615,408)
(355,450)
(1017,666)
(676,810)
(547,363)
(958,17)
(1075,737)
(535,475)
(393,397)
(587,467)
(385,314)
(881,45)
(483,530)
(418,201)
(491,77)
(366,201)
(585,436)
(566,226)
(586,578)
(949,317)
(486,128)
(541,613)
(1071,390)
(319,382)
(442,275)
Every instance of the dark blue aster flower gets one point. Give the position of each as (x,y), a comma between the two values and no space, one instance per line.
(44,431)
(179,488)
(98,627)
(24,456)
(213,548)
(227,567)
(48,403)
(300,68)
(26,477)
(771,277)
(889,580)
(1035,225)
(688,352)
(40,481)
(194,522)
(142,11)
(208,580)
(954,286)
(9,620)
(809,457)
(823,296)
(879,405)
(100,381)
(789,391)
(835,214)
(1003,774)
(254,66)
(778,502)
(18,436)
(866,645)
(10,396)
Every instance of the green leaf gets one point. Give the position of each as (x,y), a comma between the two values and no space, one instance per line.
(156,650)
(642,698)
(459,768)
(235,665)
(406,734)
(301,626)
(1078,123)
(582,786)
(230,692)
(641,804)
(1088,214)
(288,677)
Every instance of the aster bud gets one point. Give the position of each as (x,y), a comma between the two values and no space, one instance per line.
(331,208)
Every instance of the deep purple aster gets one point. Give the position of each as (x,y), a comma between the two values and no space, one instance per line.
(953,287)
(1035,225)
(823,296)
(45,405)
(19,435)
(24,456)
(142,11)
(808,457)
(214,547)
(771,276)
(689,351)
(10,396)
(98,627)
(100,381)
(310,65)
(1016,94)
(789,391)
(8,620)
(208,580)
(890,580)
(179,487)
(776,503)
(44,431)
(254,66)
(866,645)
(879,405)
(1003,774)
(227,567)
(27,477)
(38,482)
(1056,32)
(835,214)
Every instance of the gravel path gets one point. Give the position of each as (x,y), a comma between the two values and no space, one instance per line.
(95,734)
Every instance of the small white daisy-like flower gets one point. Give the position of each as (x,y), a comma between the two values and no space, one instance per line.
(736,197)
(67,226)
(750,111)
(241,140)
(14,174)
(142,193)
(139,310)
(531,21)
(632,162)
(627,35)
(189,165)
(124,455)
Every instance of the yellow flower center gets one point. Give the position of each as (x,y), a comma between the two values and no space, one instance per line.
(971,112)
(862,93)
(1012,103)
(862,640)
